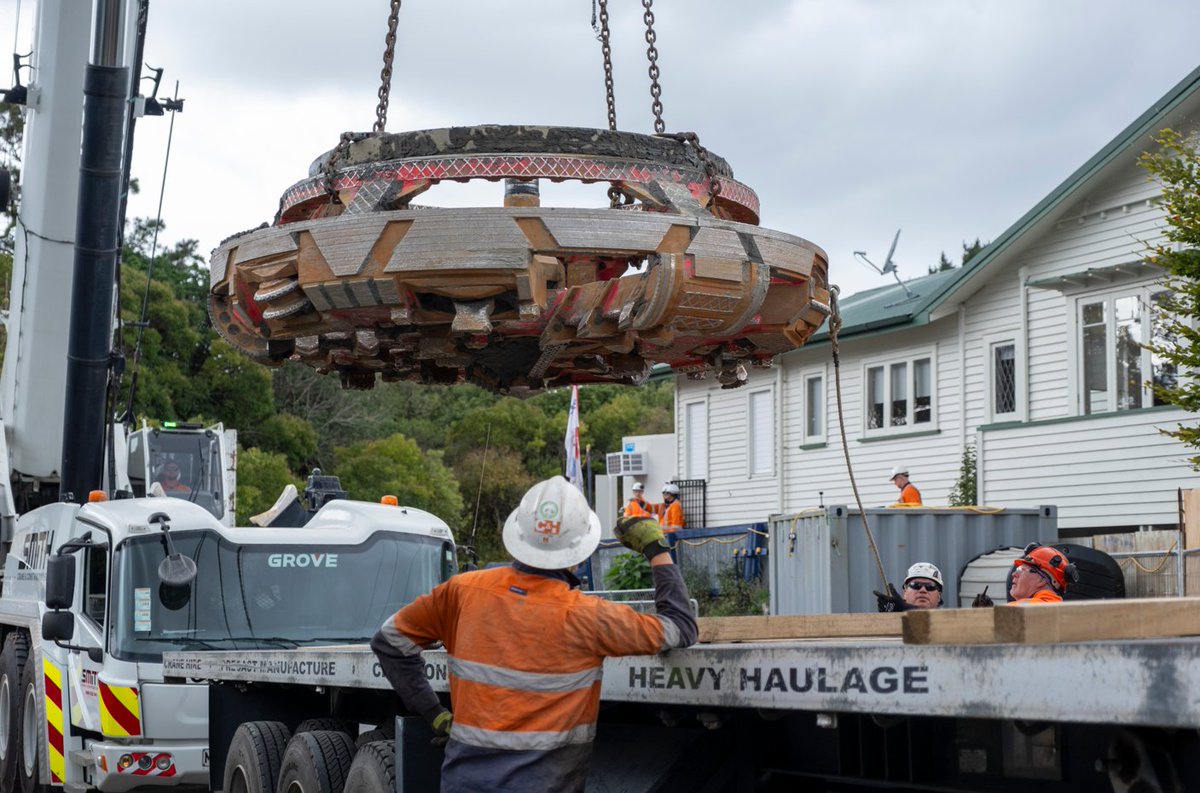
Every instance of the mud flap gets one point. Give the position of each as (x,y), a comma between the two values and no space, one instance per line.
(418,763)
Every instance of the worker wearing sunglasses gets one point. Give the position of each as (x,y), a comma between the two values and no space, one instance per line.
(922,590)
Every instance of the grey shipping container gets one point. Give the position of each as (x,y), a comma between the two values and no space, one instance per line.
(821,562)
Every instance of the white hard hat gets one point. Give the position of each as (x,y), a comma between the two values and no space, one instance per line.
(925,570)
(897,471)
(672,488)
(638,486)
(552,528)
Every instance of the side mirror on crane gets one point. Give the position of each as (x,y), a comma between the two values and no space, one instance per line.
(60,582)
(176,572)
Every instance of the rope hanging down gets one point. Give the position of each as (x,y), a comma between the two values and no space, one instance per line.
(835,324)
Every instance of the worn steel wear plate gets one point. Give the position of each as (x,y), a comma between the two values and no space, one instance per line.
(1135,683)
(352,278)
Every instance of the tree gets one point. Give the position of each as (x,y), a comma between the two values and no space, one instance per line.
(492,484)
(261,477)
(965,491)
(969,251)
(1176,166)
(397,466)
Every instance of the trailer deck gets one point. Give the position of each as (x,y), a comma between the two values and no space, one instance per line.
(1145,683)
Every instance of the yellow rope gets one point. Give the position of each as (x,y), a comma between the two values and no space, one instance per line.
(1166,557)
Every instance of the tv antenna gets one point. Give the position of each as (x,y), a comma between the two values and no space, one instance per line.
(889,266)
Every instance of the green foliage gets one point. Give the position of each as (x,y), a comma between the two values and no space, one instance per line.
(288,435)
(512,424)
(969,251)
(397,466)
(498,480)
(261,477)
(628,571)
(965,491)
(731,597)
(1176,166)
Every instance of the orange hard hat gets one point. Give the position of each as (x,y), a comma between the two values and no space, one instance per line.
(1050,561)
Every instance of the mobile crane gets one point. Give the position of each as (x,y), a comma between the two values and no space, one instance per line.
(93,593)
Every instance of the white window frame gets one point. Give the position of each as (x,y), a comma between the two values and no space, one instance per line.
(909,426)
(821,435)
(691,470)
(771,439)
(1144,292)
(990,344)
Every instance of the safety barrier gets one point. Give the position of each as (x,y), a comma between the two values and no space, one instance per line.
(705,552)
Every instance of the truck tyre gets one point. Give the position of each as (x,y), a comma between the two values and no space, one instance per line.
(255,754)
(12,665)
(29,754)
(386,732)
(336,725)
(373,769)
(316,762)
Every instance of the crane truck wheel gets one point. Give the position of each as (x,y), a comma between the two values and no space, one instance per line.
(316,762)
(12,665)
(255,754)
(386,732)
(29,738)
(337,725)
(373,769)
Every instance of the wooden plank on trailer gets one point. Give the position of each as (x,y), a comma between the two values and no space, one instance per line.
(807,626)
(950,626)
(1096,620)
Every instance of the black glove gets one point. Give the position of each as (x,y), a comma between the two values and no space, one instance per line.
(891,601)
(982,601)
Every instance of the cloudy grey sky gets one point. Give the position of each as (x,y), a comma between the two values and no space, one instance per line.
(850,118)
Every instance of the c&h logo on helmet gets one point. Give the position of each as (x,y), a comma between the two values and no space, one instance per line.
(548,523)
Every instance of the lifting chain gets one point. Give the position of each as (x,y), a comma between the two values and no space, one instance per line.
(339,152)
(385,76)
(710,170)
(615,195)
(652,55)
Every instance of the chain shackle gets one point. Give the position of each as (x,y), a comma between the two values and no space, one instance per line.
(652,56)
(385,75)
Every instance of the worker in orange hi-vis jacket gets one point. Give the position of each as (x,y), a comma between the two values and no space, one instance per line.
(1041,575)
(638,507)
(526,647)
(909,495)
(670,514)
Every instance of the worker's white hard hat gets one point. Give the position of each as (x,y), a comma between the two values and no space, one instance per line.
(925,570)
(552,528)
(897,471)
(638,487)
(672,488)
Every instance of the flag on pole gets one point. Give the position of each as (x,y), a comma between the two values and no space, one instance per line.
(571,443)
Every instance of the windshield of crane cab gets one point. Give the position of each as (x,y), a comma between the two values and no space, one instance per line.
(267,596)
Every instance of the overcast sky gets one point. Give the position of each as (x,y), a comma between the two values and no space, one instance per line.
(850,118)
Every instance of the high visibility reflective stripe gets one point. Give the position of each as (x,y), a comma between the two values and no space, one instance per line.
(120,714)
(671,634)
(524,681)
(55,723)
(398,640)
(521,741)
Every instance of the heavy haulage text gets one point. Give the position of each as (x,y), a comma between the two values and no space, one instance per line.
(814,679)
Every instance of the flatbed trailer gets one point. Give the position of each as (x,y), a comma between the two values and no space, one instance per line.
(816,715)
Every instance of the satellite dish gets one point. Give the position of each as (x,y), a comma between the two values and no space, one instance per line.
(889,266)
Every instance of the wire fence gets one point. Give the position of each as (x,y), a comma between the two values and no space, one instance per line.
(701,552)
(1172,572)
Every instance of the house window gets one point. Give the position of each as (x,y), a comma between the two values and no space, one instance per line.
(814,408)
(1004,378)
(761,417)
(1117,372)
(900,394)
(696,418)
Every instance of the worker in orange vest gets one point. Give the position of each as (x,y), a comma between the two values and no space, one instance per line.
(526,647)
(909,495)
(637,506)
(1042,575)
(670,514)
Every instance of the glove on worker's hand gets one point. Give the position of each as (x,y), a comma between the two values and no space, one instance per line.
(441,727)
(642,535)
(891,601)
(982,600)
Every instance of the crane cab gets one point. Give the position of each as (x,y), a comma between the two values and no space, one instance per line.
(185,461)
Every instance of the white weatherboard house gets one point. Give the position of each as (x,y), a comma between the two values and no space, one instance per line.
(1030,352)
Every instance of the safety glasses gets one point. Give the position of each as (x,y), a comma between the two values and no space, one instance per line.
(917,585)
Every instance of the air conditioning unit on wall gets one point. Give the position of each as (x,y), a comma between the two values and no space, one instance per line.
(625,464)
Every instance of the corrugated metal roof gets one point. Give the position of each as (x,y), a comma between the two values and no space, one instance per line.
(889,305)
